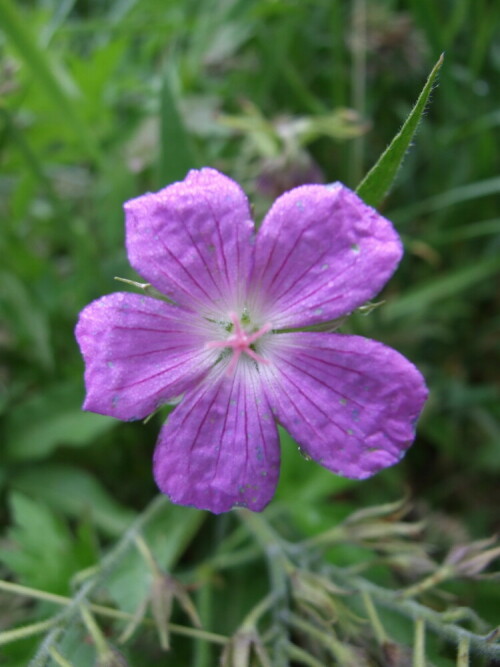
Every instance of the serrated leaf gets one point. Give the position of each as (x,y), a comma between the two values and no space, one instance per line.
(376,184)
(41,550)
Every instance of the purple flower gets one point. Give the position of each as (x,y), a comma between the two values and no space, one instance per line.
(226,345)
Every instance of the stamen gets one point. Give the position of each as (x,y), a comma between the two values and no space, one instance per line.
(240,342)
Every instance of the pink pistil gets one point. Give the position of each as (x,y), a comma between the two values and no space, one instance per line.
(240,342)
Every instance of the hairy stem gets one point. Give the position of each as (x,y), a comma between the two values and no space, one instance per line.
(411,609)
(279,566)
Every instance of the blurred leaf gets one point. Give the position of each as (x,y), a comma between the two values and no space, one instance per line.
(55,417)
(74,492)
(55,81)
(40,548)
(176,155)
(489,186)
(449,285)
(167,536)
(24,316)
(376,184)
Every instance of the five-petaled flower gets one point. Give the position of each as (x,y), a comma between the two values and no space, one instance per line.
(226,340)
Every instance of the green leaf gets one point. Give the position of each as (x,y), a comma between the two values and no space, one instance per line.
(41,550)
(464,193)
(24,316)
(167,535)
(76,493)
(417,300)
(176,151)
(37,426)
(376,184)
(55,81)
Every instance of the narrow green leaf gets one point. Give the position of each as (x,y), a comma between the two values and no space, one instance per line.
(176,152)
(376,184)
(484,188)
(55,81)
(415,301)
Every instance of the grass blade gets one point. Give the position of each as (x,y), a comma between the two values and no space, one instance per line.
(463,193)
(176,152)
(417,300)
(54,80)
(374,187)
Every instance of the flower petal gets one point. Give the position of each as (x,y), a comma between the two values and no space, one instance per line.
(139,353)
(350,402)
(193,241)
(219,448)
(320,253)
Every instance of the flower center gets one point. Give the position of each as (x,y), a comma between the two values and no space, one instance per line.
(241,342)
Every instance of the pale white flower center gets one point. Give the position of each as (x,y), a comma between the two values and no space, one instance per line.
(241,341)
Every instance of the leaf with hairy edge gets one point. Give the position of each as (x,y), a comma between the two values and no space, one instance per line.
(375,185)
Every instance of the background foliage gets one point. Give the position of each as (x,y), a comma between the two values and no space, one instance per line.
(103,100)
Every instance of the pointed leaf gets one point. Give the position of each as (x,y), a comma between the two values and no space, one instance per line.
(374,187)
(176,151)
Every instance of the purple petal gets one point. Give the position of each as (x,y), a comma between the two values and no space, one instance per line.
(350,402)
(193,241)
(139,353)
(320,253)
(219,448)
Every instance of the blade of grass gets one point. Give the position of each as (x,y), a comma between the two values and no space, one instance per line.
(31,160)
(176,151)
(417,300)
(489,186)
(374,187)
(56,83)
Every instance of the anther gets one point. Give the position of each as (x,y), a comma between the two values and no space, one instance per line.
(240,342)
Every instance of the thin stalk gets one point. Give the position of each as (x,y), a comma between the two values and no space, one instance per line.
(358,85)
(59,659)
(203,656)
(72,609)
(95,632)
(279,566)
(26,631)
(378,628)
(413,610)
(298,654)
(419,644)
(101,610)
(463,652)
(337,649)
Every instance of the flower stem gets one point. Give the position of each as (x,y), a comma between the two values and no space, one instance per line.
(378,628)
(414,610)
(95,632)
(58,658)
(340,652)
(419,644)
(37,628)
(26,631)
(299,655)
(279,566)
(463,652)
(203,654)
